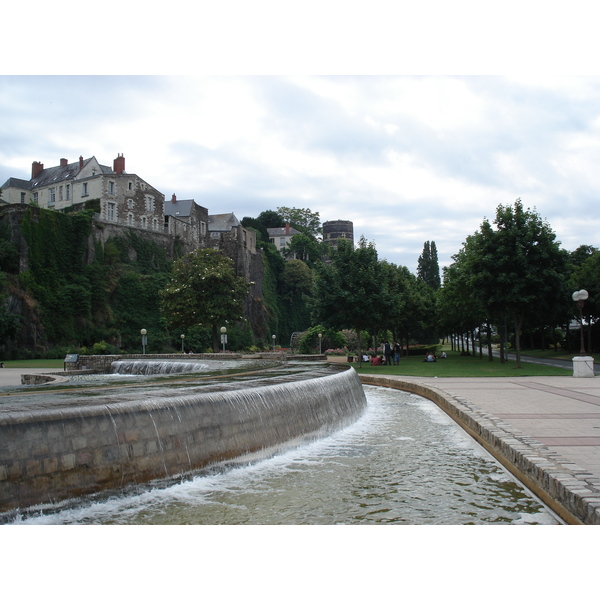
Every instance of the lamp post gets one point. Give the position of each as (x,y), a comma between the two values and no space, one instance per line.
(273,338)
(144,340)
(182,336)
(223,337)
(320,340)
(580,298)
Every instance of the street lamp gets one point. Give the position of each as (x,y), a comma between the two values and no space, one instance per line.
(320,340)
(273,338)
(144,340)
(182,336)
(580,297)
(223,337)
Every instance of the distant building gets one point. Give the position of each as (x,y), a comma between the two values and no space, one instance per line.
(189,221)
(120,197)
(282,236)
(333,231)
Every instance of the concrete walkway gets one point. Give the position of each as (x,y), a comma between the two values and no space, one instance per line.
(10,376)
(547,428)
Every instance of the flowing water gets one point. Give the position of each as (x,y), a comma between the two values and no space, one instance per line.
(403,462)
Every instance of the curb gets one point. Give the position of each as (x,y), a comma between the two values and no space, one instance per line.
(571,492)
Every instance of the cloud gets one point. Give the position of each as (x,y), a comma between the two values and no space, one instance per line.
(408,159)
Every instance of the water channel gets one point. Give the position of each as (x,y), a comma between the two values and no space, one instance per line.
(403,462)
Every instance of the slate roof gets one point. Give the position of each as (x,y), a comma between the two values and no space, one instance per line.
(279,231)
(15,182)
(58,174)
(179,208)
(223,222)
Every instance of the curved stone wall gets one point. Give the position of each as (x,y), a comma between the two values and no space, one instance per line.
(50,455)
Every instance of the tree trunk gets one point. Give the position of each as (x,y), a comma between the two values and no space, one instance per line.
(518,322)
(489,341)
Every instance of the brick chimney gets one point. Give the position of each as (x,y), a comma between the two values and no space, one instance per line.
(287,229)
(119,164)
(173,198)
(64,162)
(81,162)
(36,169)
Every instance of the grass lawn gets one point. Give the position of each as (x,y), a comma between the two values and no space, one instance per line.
(464,366)
(41,363)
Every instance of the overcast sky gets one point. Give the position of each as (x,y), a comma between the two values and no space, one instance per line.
(408,158)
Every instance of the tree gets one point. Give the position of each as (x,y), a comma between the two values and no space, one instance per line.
(351,291)
(204,290)
(428,269)
(302,218)
(518,268)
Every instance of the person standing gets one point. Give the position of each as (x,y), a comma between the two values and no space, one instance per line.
(387,350)
(397,353)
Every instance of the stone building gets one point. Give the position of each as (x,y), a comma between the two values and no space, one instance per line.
(333,231)
(188,221)
(119,197)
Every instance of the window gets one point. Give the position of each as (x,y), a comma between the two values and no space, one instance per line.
(282,241)
(144,226)
(111,188)
(155,224)
(60,193)
(129,185)
(130,220)
(52,195)
(84,190)
(149,204)
(22,197)
(110,211)
(203,228)
(214,234)
(130,203)
(35,197)
(68,192)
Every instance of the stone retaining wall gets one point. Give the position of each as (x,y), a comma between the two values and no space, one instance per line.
(50,455)
(529,461)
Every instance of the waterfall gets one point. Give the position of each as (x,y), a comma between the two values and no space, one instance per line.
(157,367)
(52,454)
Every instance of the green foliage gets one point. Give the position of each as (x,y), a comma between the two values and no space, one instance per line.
(428,269)
(302,217)
(204,289)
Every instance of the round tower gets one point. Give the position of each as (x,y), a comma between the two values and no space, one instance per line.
(338,230)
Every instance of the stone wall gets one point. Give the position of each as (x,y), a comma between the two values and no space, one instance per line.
(50,455)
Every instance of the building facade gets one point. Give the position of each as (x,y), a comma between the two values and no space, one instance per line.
(119,197)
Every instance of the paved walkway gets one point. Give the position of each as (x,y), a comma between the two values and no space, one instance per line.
(10,376)
(556,420)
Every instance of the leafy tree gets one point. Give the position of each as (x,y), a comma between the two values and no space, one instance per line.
(351,291)
(428,269)
(302,218)
(204,289)
(518,267)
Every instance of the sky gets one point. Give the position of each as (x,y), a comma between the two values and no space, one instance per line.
(421,154)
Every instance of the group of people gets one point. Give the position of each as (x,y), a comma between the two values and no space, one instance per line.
(391,354)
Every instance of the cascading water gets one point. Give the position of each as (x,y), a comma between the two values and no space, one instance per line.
(403,462)
(83,442)
(158,367)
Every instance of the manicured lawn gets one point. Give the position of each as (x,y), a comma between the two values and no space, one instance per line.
(463,366)
(41,363)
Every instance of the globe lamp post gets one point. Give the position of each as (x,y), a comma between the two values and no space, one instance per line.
(273,338)
(144,340)
(223,337)
(580,297)
(320,340)
(182,336)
